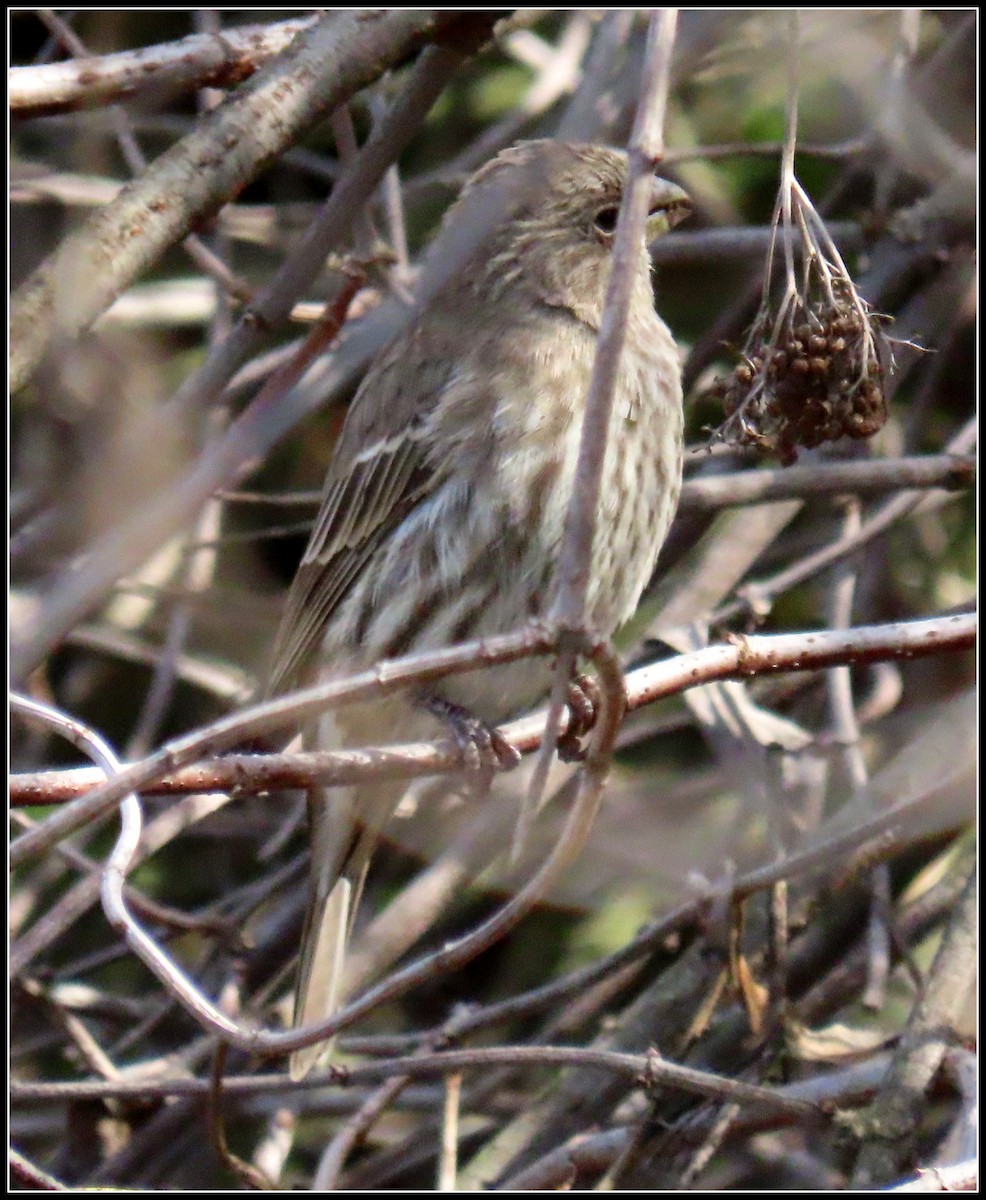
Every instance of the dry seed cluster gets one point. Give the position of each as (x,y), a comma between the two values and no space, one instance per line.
(820,380)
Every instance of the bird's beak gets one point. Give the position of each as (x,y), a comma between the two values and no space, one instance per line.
(669,205)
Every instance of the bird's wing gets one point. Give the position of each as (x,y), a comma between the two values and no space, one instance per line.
(380,470)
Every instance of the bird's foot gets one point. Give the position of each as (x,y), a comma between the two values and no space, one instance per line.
(583,700)
(485,750)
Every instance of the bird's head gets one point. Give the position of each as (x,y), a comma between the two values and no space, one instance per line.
(541,217)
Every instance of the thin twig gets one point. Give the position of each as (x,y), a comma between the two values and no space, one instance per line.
(87,1047)
(247,1172)
(575,553)
(759,596)
(354,1132)
(645,1070)
(223,681)
(80,897)
(30,1177)
(197,570)
(644,152)
(862,477)
(846,732)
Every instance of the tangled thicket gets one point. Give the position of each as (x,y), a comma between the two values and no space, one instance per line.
(724,917)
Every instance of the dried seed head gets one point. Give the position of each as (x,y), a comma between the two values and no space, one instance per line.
(810,373)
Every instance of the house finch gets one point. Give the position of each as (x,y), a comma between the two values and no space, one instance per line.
(445,502)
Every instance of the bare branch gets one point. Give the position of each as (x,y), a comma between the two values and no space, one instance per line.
(646,145)
(741,657)
(760,595)
(892,1121)
(124,548)
(647,1071)
(335,57)
(194,62)
(575,553)
(859,478)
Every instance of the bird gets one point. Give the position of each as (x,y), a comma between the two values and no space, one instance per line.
(444,503)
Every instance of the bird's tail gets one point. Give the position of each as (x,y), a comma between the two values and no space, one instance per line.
(320,972)
(345,825)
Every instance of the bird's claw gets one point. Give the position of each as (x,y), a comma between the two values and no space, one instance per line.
(484,749)
(583,700)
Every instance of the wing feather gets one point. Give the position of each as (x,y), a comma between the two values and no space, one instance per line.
(379,472)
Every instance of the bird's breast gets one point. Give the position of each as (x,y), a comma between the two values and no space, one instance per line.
(539,433)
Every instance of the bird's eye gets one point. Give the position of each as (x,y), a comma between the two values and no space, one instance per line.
(605,220)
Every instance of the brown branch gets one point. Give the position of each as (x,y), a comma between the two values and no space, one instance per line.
(888,1128)
(321,68)
(244,774)
(568,608)
(291,710)
(172,67)
(644,152)
(711,493)
(451,957)
(647,1070)
(860,478)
